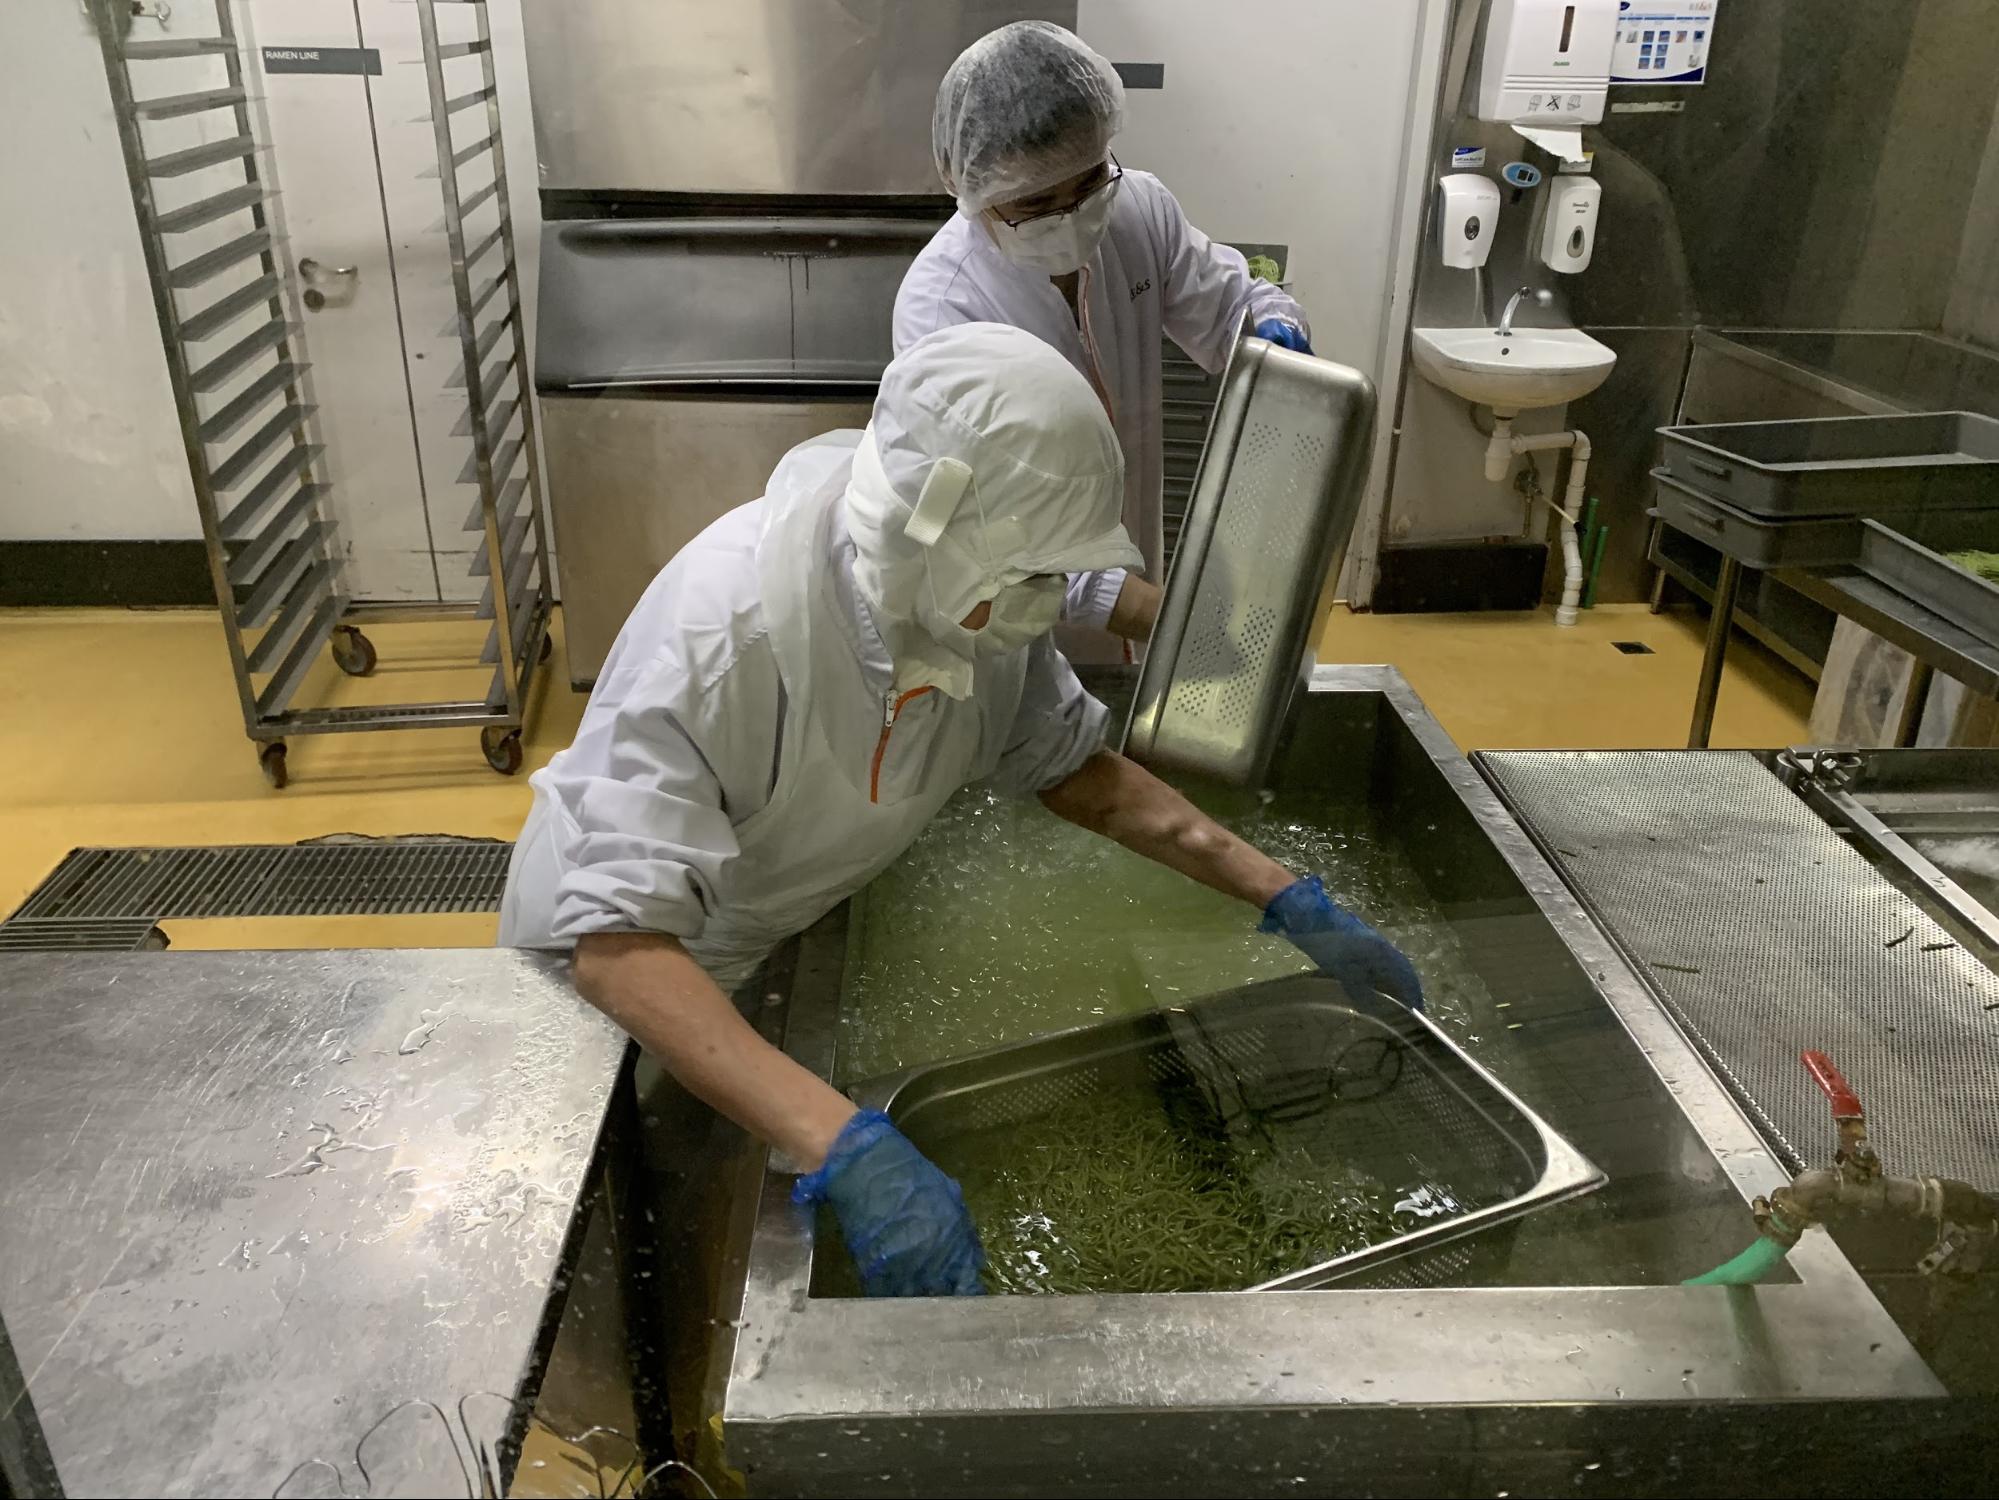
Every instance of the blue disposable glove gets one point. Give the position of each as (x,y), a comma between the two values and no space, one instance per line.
(1284,335)
(904,1221)
(1341,943)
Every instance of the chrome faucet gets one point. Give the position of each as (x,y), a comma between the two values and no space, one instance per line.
(1542,298)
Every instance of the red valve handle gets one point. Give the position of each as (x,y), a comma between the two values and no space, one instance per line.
(1832,1083)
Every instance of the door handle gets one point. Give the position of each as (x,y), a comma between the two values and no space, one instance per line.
(312,270)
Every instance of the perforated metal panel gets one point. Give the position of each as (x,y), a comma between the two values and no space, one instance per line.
(1272,507)
(1765,934)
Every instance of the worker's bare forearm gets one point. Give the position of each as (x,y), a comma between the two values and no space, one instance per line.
(1123,801)
(654,989)
(1136,610)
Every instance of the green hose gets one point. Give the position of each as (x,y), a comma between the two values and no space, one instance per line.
(1751,1266)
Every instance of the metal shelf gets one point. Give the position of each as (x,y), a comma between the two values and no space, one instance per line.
(503,508)
(493,372)
(208,210)
(496,422)
(221,258)
(253,398)
(173,106)
(194,158)
(269,549)
(511,536)
(239,465)
(247,564)
(219,314)
(241,522)
(218,371)
(195,46)
(301,603)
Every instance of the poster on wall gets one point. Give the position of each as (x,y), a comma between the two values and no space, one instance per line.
(1662,41)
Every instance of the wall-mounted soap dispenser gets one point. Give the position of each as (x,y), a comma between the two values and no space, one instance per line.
(1568,233)
(1467,218)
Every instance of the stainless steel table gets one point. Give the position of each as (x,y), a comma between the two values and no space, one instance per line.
(251,1201)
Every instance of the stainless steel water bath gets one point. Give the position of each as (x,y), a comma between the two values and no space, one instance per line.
(1585,1356)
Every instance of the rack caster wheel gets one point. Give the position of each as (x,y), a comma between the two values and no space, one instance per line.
(353,652)
(502,748)
(272,761)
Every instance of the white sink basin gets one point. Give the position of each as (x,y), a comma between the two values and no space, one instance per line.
(1528,367)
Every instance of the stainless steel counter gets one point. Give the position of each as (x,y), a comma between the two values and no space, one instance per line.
(251,1201)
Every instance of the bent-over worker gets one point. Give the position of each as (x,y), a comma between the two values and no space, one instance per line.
(1097,260)
(798,693)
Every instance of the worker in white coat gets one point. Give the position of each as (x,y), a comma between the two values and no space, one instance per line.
(799,692)
(1052,235)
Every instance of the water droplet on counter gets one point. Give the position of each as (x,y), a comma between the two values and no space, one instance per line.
(419,1037)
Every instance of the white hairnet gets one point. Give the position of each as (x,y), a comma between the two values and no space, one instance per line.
(1022,108)
(989,460)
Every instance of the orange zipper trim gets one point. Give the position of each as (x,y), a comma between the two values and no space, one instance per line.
(892,712)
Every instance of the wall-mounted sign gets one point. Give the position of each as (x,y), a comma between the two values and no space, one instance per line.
(1662,41)
(323,60)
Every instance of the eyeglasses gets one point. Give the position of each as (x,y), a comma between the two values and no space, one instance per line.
(1106,173)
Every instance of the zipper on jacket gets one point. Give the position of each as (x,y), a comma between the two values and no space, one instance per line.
(892,707)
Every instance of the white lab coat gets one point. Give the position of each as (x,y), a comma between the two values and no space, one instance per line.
(1154,274)
(732,780)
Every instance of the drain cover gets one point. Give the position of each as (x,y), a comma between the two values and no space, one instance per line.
(346,878)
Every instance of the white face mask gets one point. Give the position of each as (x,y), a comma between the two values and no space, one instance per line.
(1022,613)
(1060,243)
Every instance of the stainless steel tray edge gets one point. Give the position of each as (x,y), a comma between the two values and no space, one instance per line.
(1269,673)
(1564,1172)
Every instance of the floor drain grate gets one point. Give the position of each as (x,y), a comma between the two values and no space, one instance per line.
(62,936)
(336,878)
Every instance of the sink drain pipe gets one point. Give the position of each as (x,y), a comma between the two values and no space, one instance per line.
(1499,456)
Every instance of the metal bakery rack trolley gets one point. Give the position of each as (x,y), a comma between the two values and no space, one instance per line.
(237,363)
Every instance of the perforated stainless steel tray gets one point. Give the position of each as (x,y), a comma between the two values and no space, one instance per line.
(1273,505)
(1390,1094)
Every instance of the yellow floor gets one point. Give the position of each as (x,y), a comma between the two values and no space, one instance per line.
(121,727)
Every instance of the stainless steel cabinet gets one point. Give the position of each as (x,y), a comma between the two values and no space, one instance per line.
(747,96)
(637,478)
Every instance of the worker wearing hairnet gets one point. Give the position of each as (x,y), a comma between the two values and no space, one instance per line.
(1053,236)
(799,692)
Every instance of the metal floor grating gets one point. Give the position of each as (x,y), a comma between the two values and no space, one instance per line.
(1765,933)
(343,878)
(63,936)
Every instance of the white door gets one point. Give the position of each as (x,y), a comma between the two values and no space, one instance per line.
(322,133)
(355,159)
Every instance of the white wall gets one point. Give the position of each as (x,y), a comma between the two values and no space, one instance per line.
(1305,123)
(1280,122)
(89,444)
(1973,309)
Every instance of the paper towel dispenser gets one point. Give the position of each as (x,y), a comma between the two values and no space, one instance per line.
(1547,68)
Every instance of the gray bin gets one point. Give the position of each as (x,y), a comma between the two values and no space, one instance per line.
(1835,466)
(1754,540)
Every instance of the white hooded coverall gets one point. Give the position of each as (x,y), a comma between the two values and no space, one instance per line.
(749,757)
